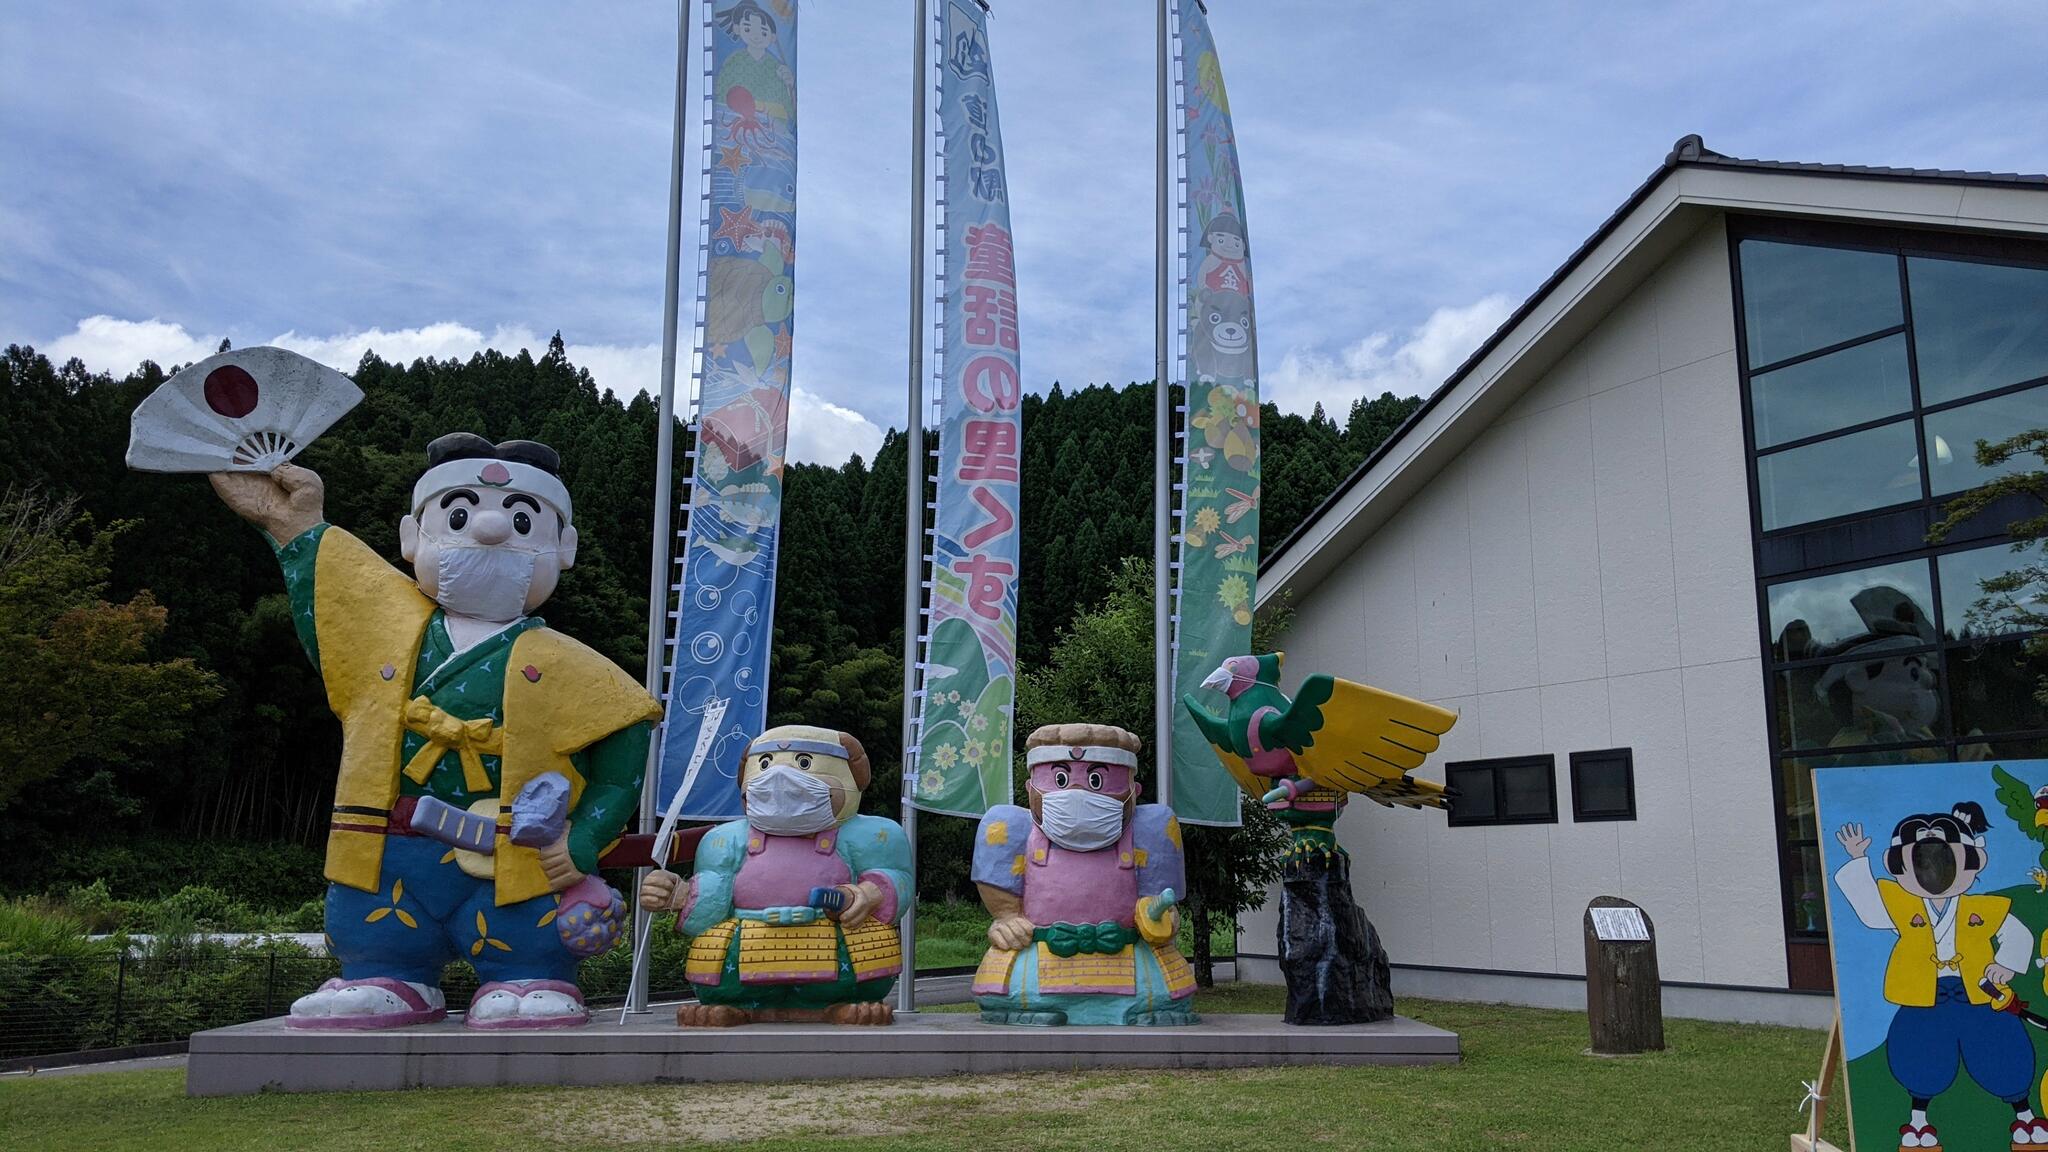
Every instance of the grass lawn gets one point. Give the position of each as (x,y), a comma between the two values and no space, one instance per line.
(1524,1083)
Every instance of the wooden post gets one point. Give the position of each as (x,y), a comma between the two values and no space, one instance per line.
(1830,1062)
(1624,1000)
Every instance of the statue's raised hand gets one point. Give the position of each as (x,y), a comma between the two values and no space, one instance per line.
(284,502)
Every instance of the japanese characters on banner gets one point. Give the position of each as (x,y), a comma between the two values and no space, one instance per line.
(1219,524)
(963,760)
(726,603)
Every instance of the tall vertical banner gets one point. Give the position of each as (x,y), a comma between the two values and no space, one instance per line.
(970,664)
(1219,521)
(725,619)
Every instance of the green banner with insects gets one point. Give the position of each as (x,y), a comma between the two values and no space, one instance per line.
(1219,523)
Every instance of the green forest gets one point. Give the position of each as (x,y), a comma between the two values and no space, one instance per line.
(162,728)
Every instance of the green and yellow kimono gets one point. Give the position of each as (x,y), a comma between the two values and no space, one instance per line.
(469,728)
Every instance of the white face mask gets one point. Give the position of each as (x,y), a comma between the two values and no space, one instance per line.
(1081,821)
(786,801)
(484,582)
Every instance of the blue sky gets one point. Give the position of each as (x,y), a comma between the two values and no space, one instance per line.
(419,179)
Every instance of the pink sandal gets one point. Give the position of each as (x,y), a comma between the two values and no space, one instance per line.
(520,989)
(418,1010)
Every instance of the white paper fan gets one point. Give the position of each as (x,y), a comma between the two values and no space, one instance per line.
(248,410)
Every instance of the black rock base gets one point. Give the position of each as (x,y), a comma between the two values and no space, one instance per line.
(1330,954)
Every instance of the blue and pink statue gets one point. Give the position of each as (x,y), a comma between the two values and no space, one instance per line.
(1082,884)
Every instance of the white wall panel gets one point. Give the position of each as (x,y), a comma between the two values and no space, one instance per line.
(1503,577)
(1637,595)
(1565,545)
(1658,863)
(1709,502)
(1443,586)
(1743,936)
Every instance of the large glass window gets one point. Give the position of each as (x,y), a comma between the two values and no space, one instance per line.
(1952,436)
(1864,414)
(1970,611)
(1853,386)
(1874,468)
(1799,297)
(1979,326)
(1820,615)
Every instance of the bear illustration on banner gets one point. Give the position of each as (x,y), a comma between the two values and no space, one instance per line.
(487,760)
(1304,758)
(1082,882)
(1936,910)
(792,908)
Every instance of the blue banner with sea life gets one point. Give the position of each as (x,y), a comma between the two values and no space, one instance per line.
(970,653)
(726,607)
(1219,524)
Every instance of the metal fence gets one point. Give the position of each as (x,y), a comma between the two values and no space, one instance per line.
(54,1005)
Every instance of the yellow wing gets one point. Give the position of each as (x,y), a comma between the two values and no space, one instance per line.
(1370,740)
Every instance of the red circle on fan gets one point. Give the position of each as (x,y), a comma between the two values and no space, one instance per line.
(231,391)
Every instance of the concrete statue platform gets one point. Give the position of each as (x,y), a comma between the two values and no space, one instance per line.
(266,1055)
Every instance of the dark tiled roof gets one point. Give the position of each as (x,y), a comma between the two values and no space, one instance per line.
(1689,152)
(1692,150)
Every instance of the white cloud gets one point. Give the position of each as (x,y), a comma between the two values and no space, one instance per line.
(1376,364)
(826,433)
(109,345)
(819,430)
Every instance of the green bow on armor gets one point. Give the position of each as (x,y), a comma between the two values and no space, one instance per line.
(1064,940)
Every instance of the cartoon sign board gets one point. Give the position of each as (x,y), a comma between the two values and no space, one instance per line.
(1937,904)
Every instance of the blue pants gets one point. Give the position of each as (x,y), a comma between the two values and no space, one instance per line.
(1925,1045)
(429,913)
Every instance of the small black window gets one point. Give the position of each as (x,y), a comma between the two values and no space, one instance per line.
(1604,785)
(1513,790)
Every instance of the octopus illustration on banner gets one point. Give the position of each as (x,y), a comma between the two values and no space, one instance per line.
(963,761)
(1219,548)
(726,612)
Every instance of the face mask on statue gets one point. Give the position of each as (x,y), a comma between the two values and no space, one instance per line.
(1081,821)
(484,582)
(786,801)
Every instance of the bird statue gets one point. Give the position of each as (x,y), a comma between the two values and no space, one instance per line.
(2028,809)
(1333,739)
(1304,758)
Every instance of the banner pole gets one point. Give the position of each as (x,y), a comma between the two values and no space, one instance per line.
(913,489)
(664,465)
(1162,445)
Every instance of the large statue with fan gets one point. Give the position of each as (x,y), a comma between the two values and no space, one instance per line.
(1304,758)
(487,760)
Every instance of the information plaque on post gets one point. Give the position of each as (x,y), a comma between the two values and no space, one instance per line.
(1624,999)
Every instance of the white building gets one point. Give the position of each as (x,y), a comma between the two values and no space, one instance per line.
(1676,508)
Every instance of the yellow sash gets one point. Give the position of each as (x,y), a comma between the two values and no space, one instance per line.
(560,697)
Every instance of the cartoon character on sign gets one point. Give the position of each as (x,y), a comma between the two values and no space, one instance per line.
(755,83)
(1950,973)
(1226,265)
(793,907)
(1082,885)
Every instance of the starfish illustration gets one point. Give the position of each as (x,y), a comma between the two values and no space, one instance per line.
(736,226)
(731,159)
(782,344)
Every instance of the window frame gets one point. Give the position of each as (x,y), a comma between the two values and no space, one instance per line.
(1863,539)
(1494,767)
(1626,757)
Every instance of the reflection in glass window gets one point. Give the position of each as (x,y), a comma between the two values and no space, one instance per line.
(1976,326)
(1887,691)
(1809,905)
(1854,473)
(1995,689)
(1952,437)
(1796,298)
(1833,391)
(1968,611)
(1800,821)
(1816,616)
